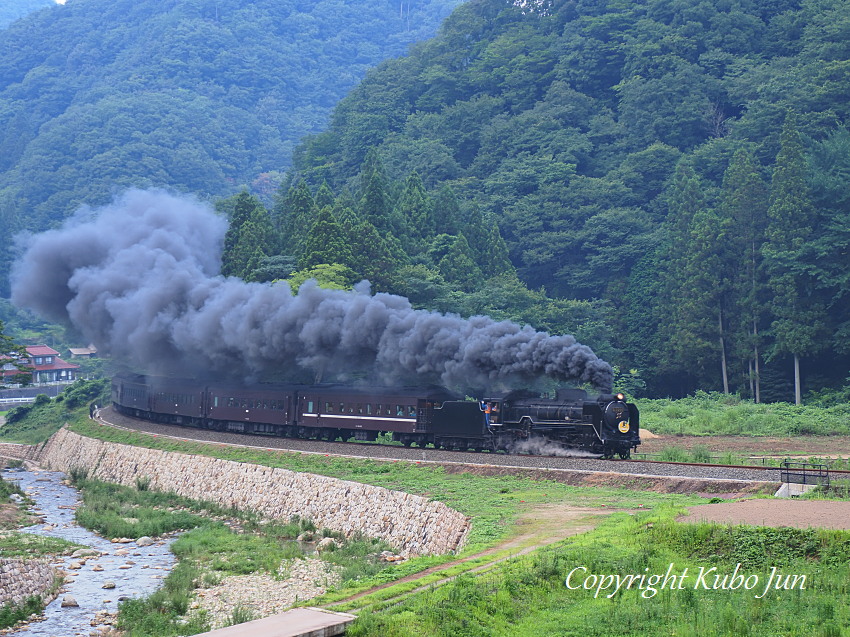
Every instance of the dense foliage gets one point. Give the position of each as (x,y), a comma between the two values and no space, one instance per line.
(36,422)
(683,165)
(12,360)
(11,10)
(666,179)
(196,95)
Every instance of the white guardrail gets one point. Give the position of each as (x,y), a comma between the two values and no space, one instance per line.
(17,401)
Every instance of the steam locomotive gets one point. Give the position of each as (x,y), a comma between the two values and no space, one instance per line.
(515,421)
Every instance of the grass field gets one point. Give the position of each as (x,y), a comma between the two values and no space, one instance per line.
(529,596)
(717,414)
(493,503)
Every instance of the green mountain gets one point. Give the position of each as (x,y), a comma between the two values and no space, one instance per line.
(684,163)
(196,95)
(12,10)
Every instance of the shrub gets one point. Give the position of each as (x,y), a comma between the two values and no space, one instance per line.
(11,614)
(85,391)
(143,483)
(18,414)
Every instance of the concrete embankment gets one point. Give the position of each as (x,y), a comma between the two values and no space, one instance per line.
(412,524)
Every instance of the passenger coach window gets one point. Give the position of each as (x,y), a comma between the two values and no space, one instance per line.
(310,407)
(411,411)
(329,408)
(215,401)
(399,410)
(342,408)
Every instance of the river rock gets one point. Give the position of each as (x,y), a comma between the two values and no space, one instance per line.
(69,602)
(108,585)
(326,544)
(144,541)
(85,553)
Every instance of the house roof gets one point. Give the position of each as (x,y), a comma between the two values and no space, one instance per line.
(41,350)
(57,364)
(82,351)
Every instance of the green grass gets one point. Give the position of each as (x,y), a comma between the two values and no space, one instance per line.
(35,423)
(718,414)
(112,517)
(493,503)
(11,614)
(209,549)
(13,544)
(8,488)
(528,596)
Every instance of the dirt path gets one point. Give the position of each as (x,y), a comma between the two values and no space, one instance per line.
(541,526)
(821,446)
(801,514)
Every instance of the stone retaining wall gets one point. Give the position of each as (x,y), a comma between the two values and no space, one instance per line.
(15,451)
(20,579)
(412,524)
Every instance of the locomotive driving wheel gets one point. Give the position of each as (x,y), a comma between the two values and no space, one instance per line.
(625,455)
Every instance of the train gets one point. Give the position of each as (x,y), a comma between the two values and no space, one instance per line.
(514,421)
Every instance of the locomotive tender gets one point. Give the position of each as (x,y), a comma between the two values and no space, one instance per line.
(606,424)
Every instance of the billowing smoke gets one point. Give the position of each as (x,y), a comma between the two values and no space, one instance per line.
(140,279)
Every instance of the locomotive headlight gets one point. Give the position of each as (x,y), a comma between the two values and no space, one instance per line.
(621,396)
(623,426)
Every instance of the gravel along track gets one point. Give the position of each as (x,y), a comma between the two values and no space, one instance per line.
(390,452)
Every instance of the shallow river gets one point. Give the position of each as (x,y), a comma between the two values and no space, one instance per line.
(136,571)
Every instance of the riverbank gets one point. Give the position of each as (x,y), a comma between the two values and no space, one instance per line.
(98,575)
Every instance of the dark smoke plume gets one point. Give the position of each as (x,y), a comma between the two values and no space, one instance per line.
(140,280)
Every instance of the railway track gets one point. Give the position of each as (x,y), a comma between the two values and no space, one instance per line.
(500,460)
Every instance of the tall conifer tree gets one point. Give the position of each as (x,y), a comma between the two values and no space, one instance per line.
(744,201)
(798,317)
(325,242)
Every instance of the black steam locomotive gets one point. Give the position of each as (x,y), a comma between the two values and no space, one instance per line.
(515,422)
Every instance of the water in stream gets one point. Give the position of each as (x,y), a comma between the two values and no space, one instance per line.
(135,570)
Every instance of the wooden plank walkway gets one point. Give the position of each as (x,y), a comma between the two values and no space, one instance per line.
(296,622)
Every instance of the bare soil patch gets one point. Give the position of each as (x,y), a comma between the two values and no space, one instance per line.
(549,523)
(540,526)
(10,516)
(801,514)
(821,446)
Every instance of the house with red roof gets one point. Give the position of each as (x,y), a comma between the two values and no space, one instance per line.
(47,368)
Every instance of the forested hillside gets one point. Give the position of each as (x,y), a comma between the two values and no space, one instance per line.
(679,170)
(197,95)
(11,10)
